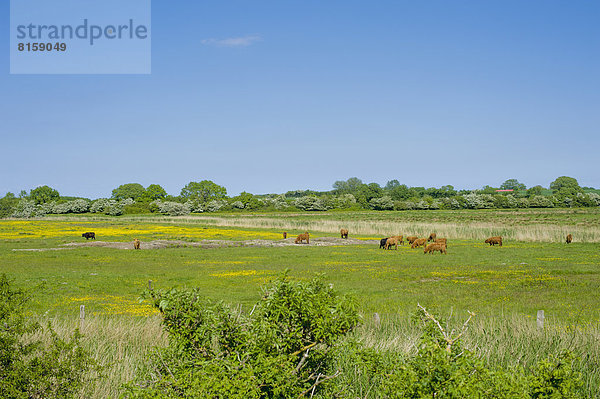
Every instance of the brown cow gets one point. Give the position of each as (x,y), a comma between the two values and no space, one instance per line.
(284,235)
(418,242)
(136,244)
(432,237)
(302,237)
(344,233)
(569,239)
(441,240)
(436,246)
(393,242)
(494,240)
(411,239)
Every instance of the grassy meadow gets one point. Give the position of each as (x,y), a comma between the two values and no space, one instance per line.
(505,286)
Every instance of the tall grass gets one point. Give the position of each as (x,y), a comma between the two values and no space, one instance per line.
(123,344)
(465,230)
(120,344)
(506,340)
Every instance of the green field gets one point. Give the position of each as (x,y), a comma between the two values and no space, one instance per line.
(511,282)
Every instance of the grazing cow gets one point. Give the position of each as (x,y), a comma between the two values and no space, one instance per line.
(418,242)
(411,239)
(302,237)
(344,233)
(284,235)
(436,246)
(392,242)
(494,240)
(136,244)
(432,237)
(382,243)
(89,235)
(569,239)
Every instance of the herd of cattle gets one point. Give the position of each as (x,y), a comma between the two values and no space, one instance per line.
(437,244)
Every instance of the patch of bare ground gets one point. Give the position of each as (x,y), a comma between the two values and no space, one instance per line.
(159,244)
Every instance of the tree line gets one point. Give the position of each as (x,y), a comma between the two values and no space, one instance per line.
(350,194)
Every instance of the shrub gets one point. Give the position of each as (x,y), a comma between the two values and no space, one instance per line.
(137,208)
(479,201)
(25,209)
(345,201)
(237,205)
(539,201)
(101,204)
(215,205)
(311,203)
(281,349)
(27,368)
(383,203)
(442,368)
(595,198)
(172,208)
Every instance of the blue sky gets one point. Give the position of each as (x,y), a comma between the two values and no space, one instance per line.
(271,96)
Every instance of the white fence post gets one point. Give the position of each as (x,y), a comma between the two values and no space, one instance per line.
(81,317)
(540,319)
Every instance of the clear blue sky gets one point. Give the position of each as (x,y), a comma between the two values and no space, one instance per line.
(271,96)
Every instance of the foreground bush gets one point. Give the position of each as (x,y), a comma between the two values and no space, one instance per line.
(27,368)
(443,368)
(294,343)
(281,349)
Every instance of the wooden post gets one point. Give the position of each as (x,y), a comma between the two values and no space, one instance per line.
(540,319)
(150,285)
(376,319)
(81,317)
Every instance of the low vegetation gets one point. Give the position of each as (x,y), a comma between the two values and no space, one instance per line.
(505,286)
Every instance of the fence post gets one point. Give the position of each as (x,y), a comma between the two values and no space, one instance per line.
(540,319)
(81,317)
(150,285)
(376,319)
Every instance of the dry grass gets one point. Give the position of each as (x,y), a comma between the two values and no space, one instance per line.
(120,344)
(506,340)
(465,230)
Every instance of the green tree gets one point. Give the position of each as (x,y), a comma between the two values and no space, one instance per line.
(43,194)
(565,186)
(392,184)
(8,204)
(535,190)
(203,191)
(155,192)
(350,186)
(400,192)
(367,192)
(135,191)
(512,184)
(247,199)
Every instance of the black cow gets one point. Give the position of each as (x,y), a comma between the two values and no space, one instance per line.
(382,243)
(89,235)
